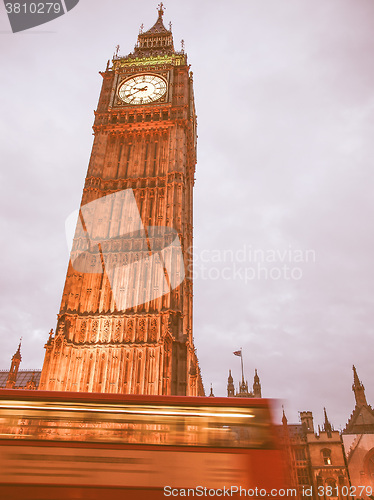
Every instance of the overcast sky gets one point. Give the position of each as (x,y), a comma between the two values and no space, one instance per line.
(284,183)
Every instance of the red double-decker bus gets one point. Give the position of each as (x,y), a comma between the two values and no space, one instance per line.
(60,446)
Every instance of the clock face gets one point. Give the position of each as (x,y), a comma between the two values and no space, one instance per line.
(142,89)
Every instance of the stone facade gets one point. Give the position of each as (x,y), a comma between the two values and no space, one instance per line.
(318,467)
(125,321)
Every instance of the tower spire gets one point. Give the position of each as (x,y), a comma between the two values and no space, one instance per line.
(17,354)
(326,426)
(358,389)
(14,367)
(157,41)
(230,386)
(256,385)
(284,418)
(135,307)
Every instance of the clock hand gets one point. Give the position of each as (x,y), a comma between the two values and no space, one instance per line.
(140,90)
(132,94)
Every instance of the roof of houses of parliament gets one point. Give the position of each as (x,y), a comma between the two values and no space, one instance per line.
(23,377)
(20,379)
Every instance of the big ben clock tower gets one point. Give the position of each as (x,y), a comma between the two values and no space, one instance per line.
(125,321)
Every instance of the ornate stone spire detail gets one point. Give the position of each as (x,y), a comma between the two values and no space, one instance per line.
(358,389)
(326,425)
(14,367)
(230,386)
(256,386)
(160,9)
(157,40)
(17,354)
(284,418)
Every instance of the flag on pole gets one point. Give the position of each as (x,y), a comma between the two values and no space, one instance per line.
(237,353)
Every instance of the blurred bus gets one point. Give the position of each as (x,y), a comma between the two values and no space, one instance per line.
(63,445)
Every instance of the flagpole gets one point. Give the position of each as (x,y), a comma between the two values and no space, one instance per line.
(240,353)
(241,358)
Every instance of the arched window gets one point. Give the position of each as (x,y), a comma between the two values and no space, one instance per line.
(326,455)
(369,466)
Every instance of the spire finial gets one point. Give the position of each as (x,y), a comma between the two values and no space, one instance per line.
(284,418)
(161,9)
(17,354)
(358,389)
(327,426)
(141,29)
(356,380)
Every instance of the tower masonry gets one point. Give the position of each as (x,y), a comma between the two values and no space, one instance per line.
(125,321)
